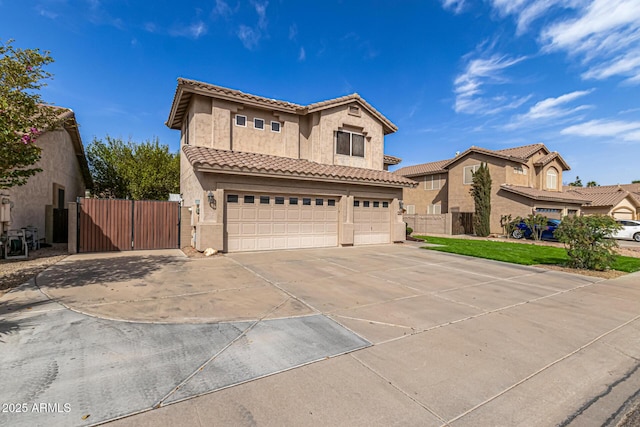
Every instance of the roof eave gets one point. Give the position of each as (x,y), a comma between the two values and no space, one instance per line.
(252,172)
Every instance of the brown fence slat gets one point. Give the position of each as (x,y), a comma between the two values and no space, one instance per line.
(122,225)
(156,225)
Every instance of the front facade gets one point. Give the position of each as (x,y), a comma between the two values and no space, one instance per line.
(64,177)
(262,174)
(525,180)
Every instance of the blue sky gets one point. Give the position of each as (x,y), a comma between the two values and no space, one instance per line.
(449,73)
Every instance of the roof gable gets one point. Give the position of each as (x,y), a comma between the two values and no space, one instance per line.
(186,88)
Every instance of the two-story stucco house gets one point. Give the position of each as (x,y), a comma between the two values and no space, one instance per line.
(43,201)
(262,174)
(525,180)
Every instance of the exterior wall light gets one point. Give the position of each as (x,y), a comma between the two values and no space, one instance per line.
(211,200)
(197,206)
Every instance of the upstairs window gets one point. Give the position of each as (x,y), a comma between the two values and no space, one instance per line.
(241,121)
(552,179)
(432,182)
(349,144)
(468,173)
(275,127)
(258,123)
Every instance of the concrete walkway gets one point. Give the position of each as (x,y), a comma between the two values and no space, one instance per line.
(399,336)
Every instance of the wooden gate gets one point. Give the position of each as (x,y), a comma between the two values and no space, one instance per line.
(462,223)
(123,225)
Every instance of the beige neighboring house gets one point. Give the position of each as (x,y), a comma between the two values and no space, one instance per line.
(261,174)
(620,201)
(64,177)
(525,180)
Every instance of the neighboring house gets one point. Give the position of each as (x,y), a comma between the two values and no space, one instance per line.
(262,174)
(620,201)
(42,201)
(525,180)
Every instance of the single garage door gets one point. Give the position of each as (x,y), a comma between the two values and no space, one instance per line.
(372,221)
(623,215)
(266,221)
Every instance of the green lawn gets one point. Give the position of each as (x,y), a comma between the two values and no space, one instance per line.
(516,253)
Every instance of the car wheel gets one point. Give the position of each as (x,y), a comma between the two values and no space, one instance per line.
(517,234)
(636,237)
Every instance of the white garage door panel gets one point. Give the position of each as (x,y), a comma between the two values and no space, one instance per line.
(623,215)
(262,226)
(372,224)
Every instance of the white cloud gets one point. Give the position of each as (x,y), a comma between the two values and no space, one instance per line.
(261,10)
(617,129)
(248,36)
(550,108)
(478,73)
(606,35)
(457,6)
(302,55)
(194,31)
(293,32)
(528,11)
(222,9)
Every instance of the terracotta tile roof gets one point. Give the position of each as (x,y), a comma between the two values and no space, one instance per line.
(608,195)
(187,87)
(422,169)
(210,159)
(474,149)
(391,160)
(542,161)
(542,195)
(524,152)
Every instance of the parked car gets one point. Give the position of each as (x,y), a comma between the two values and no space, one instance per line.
(630,230)
(522,230)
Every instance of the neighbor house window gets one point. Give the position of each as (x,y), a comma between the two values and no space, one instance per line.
(411,209)
(468,173)
(434,209)
(241,120)
(552,179)
(432,182)
(258,123)
(520,170)
(186,131)
(275,127)
(350,144)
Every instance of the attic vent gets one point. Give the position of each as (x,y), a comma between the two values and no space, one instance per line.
(354,110)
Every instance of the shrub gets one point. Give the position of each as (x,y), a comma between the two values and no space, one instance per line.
(481,192)
(536,224)
(409,231)
(586,242)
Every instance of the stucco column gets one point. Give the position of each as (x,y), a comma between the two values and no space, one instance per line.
(398,227)
(346,228)
(210,226)
(72,245)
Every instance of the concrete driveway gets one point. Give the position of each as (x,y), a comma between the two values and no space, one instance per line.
(379,335)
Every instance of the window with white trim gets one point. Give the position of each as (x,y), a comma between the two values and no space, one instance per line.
(434,209)
(241,121)
(349,144)
(552,179)
(432,182)
(258,123)
(411,209)
(468,173)
(275,127)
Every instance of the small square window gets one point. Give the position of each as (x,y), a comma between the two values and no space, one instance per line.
(264,200)
(232,198)
(353,110)
(249,199)
(365,204)
(356,203)
(376,204)
(306,202)
(319,202)
(258,123)
(331,202)
(275,126)
(279,200)
(241,121)
(293,200)
(385,204)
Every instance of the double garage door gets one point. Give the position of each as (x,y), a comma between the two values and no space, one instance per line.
(266,221)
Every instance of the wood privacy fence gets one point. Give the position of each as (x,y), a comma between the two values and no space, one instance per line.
(448,223)
(123,225)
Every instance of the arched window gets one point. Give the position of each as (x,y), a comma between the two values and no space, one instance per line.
(552,179)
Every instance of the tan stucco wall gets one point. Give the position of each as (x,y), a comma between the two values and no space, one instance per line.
(460,198)
(422,198)
(60,169)
(624,206)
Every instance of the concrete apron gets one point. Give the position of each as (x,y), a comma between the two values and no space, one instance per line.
(457,341)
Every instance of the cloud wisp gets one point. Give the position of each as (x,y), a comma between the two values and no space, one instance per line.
(456,6)
(627,131)
(549,109)
(251,36)
(479,72)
